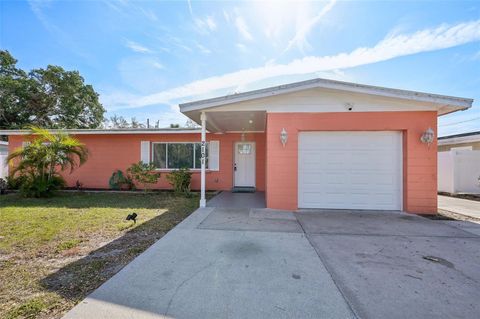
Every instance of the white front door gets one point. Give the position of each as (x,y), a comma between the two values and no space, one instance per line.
(244,166)
(350,170)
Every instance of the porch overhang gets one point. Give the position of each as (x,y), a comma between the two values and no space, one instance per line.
(231,121)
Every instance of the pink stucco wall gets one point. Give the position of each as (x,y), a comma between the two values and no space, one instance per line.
(109,152)
(419,161)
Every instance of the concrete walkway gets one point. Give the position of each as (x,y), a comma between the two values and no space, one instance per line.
(460,206)
(238,200)
(260,263)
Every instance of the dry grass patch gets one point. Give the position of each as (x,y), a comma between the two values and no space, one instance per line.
(55,251)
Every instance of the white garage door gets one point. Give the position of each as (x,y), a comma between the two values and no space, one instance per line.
(350,170)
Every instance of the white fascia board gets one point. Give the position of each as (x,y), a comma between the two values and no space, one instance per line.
(459,140)
(103,132)
(442,100)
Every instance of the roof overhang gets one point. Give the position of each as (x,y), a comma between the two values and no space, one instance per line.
(441,103)
(109,131)
(456,102)
(459,139)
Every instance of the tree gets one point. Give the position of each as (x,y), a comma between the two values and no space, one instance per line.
(136,124)
(49,98)
(191,124)
(174,125)
(118,122)
(42,159)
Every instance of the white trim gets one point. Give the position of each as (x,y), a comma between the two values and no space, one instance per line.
(459,140)
(457,103)
(462,148)
(105,131)
(246,132)
(3,143)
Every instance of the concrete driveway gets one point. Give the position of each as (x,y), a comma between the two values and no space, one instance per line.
(258,263)
(465,207)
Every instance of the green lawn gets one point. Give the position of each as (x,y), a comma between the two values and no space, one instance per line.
(54,251)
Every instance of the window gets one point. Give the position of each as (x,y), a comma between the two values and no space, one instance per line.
(178,155)
(244,149)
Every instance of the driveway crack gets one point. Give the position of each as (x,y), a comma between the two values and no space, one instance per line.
(185,281)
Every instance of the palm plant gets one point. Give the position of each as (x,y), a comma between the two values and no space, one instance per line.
(45,154)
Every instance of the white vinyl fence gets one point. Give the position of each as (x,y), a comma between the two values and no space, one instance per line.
(459,171)
(3,166)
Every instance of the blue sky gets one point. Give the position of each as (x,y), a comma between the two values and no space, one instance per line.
(145,57)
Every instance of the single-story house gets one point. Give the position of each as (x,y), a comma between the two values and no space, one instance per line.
(459,163)
(312,144)
(465,141)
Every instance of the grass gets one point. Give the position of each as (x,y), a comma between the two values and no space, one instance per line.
(55,251)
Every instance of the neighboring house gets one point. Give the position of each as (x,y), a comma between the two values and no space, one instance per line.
(459,163)
(312,144)
(3,157)
(465,141)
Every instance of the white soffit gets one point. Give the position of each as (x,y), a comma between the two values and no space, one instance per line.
(233,121)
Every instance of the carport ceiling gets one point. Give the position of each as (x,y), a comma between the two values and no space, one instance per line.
(232,121)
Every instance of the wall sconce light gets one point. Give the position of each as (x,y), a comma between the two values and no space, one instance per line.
(428,136)
(283,137)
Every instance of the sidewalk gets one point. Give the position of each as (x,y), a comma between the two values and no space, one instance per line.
(460,206)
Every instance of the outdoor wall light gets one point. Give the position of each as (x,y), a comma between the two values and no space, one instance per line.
(428,136)
(283,137)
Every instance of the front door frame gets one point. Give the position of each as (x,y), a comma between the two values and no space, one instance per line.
(254,162)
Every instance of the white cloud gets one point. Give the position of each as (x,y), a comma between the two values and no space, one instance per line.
(203,49)
(211,23)
(300,38)
(242,47)
(158,65)
(243,28)
(177,42)
(190,7)
(149,14)
(206,24)
(226,15)
(136,47)
(444,36)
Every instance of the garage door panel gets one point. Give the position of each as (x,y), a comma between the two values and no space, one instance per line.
(350,170)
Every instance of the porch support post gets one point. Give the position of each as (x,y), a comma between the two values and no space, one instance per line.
(203,118)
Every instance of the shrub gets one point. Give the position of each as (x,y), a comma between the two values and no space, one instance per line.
(180,180)
(119,180)
(40,161)
(40,186)
(3,186)
(143,174)
(15,181)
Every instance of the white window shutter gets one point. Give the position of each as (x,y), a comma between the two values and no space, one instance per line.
(145,151)
(214,155)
